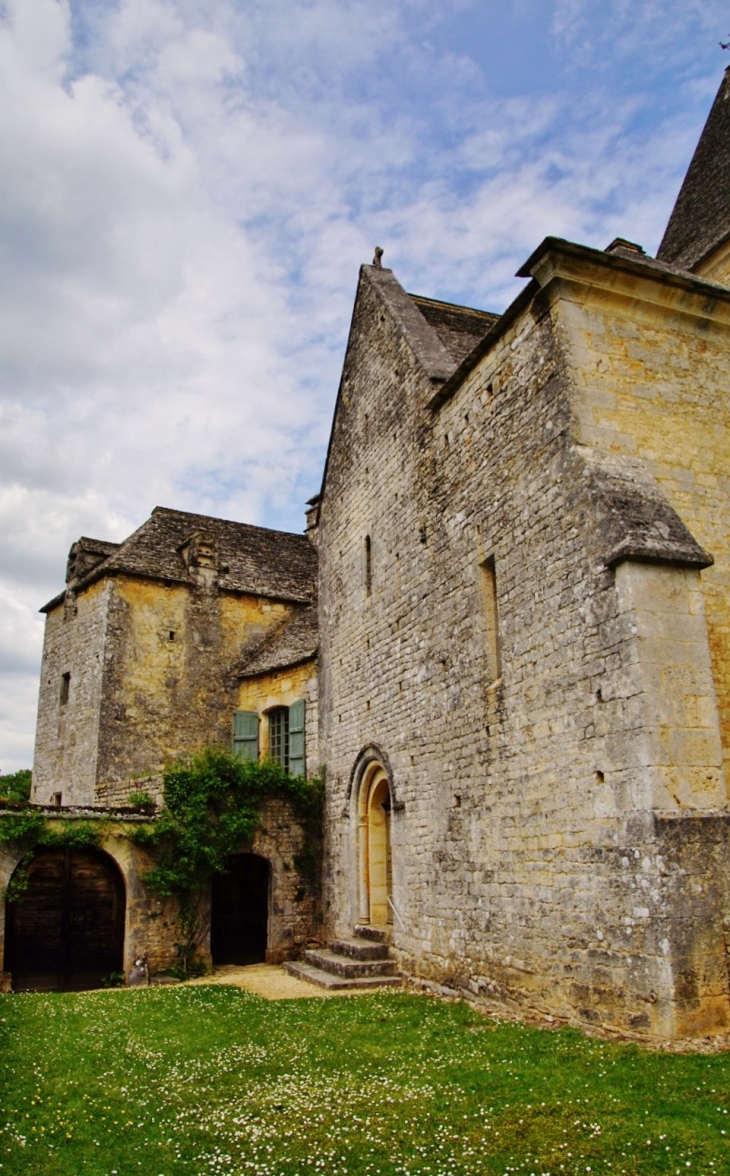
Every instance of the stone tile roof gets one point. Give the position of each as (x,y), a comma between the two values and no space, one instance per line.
(458,327)
(634,518)
(85,554)
(700,219)
(293,643)
(252,560)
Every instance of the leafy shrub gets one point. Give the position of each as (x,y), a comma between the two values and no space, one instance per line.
(15,787)
(141,802)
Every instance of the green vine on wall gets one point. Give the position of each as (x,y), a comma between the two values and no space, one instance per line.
(212,806)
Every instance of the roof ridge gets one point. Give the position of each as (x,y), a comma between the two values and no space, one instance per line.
(190,514)
(700,218)
(422,338)
(452,305)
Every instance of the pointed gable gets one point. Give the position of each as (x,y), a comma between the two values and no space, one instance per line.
(436,336)
(423,340)
(700,220)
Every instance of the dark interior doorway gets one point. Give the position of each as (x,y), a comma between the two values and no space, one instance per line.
(240,911)
(65,931)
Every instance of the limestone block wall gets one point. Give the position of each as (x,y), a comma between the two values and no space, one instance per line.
(170,683)
(716,267)
(671,691)
(526,858)
(295,910)
(67,734)
(648,366)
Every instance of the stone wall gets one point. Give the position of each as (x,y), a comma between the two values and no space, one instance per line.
(170,685)
(67,734)
(153,676)
(526,862)
(648,366)
(151,924)
(282,688)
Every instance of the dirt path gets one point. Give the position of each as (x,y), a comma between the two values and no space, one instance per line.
(271,982)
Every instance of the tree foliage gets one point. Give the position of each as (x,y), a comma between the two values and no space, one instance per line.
(15,787)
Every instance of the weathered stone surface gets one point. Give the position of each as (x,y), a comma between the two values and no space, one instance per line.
(525,863)
(524,627)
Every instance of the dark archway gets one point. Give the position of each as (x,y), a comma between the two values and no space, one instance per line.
(65,931)
(240,911)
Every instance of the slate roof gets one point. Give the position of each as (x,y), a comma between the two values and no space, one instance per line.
(291,644)
(458,327)
(700,219)
(252,560)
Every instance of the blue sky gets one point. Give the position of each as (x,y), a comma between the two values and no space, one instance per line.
(189,188)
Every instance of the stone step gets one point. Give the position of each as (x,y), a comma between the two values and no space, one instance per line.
(322,979)
(341,965)
(360,949)
(377,934)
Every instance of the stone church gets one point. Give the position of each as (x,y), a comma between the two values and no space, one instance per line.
(505,635)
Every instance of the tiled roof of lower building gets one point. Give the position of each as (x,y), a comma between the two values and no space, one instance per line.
(246,559)
(293,643)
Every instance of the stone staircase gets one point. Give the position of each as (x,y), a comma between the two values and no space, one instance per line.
(360,962)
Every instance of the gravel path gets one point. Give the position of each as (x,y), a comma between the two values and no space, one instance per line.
(269,981)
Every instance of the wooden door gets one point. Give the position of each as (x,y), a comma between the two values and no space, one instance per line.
(240,911)
(66,930)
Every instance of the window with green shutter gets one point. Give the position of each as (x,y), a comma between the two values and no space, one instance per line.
(246,735)
(296,739)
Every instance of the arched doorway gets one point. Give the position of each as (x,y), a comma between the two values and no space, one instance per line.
(239,914)
(376,868)
(65,930)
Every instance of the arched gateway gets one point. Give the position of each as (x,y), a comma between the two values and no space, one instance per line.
(65,930)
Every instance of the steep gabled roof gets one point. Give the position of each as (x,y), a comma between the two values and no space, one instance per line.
(458,327)
(423,339)
(293,643)
(439,334)
(251,560)
(700,219)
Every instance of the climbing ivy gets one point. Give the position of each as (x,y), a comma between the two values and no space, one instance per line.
(212,805)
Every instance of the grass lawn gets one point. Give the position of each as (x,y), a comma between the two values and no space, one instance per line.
(216,1080)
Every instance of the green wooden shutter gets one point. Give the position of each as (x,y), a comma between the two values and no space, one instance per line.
(246,735)
(296,739)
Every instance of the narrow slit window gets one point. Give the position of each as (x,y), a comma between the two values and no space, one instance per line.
(65,688)
(368,566)
(491,616)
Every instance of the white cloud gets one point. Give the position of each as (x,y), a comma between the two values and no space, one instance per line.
(188,191)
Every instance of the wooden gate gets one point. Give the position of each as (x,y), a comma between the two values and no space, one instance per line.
(66,930)
(240,911)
